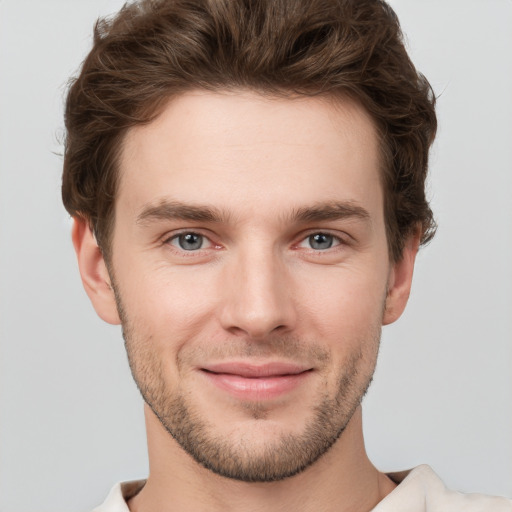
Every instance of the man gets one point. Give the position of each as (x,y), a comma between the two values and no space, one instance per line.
(247,183)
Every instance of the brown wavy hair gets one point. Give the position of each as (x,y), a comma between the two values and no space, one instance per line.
(153,50)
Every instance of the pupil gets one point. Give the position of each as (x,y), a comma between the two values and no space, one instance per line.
(190,241)
(321,241)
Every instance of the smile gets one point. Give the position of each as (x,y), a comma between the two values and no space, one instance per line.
(256,382)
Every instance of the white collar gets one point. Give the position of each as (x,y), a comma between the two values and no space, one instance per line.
(419,490)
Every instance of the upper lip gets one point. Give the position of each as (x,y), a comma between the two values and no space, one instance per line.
(253,370)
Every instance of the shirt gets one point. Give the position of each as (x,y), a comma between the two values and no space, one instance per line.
(418,490)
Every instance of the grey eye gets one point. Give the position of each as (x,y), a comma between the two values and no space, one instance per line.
(321,241)
(189,241)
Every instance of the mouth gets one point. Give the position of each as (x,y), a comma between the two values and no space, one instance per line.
(256,382)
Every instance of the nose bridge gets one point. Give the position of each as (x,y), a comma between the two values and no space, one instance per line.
(257,297)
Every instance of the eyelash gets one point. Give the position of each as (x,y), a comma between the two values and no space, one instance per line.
(176,236)
(336,242)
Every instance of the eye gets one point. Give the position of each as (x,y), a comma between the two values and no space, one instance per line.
(320,241)
(189,241)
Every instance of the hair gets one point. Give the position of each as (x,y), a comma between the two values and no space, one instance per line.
(153,50)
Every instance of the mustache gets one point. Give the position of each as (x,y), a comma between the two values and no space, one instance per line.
(277,346)
(274,347)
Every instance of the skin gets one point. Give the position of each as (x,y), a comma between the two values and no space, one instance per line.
(254,179)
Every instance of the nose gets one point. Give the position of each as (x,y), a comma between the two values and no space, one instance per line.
(257,296)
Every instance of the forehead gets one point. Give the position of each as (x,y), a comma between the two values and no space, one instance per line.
(243,150)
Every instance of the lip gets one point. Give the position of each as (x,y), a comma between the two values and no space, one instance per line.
(256,382)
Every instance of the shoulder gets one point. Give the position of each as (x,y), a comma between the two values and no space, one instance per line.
(119,494)
(421,490)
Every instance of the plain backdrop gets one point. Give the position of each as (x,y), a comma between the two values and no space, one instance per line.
(71,418)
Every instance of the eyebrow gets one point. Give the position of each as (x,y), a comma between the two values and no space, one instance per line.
(333,210)
(176,210)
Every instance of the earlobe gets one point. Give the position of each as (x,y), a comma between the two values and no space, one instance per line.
(400,281)
(94,273)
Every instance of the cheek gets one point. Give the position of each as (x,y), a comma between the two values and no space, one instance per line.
(348,297)
(172,306)
(345,315)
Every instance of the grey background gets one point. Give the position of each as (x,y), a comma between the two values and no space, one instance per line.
(71,419)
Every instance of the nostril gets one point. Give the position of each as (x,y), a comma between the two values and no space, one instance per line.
(257,305)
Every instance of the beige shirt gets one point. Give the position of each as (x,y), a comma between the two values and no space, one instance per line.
(419,490)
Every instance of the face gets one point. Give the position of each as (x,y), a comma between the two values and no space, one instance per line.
(251,273)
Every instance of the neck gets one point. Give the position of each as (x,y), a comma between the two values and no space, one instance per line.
(342,480)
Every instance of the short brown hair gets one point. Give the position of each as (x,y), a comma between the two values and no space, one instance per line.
(153,50)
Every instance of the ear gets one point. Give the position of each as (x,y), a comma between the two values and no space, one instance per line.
(93,271)
(400,280)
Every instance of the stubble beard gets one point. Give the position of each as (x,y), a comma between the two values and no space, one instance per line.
(282,456)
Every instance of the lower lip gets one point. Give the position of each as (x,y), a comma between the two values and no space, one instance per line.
(256,389)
